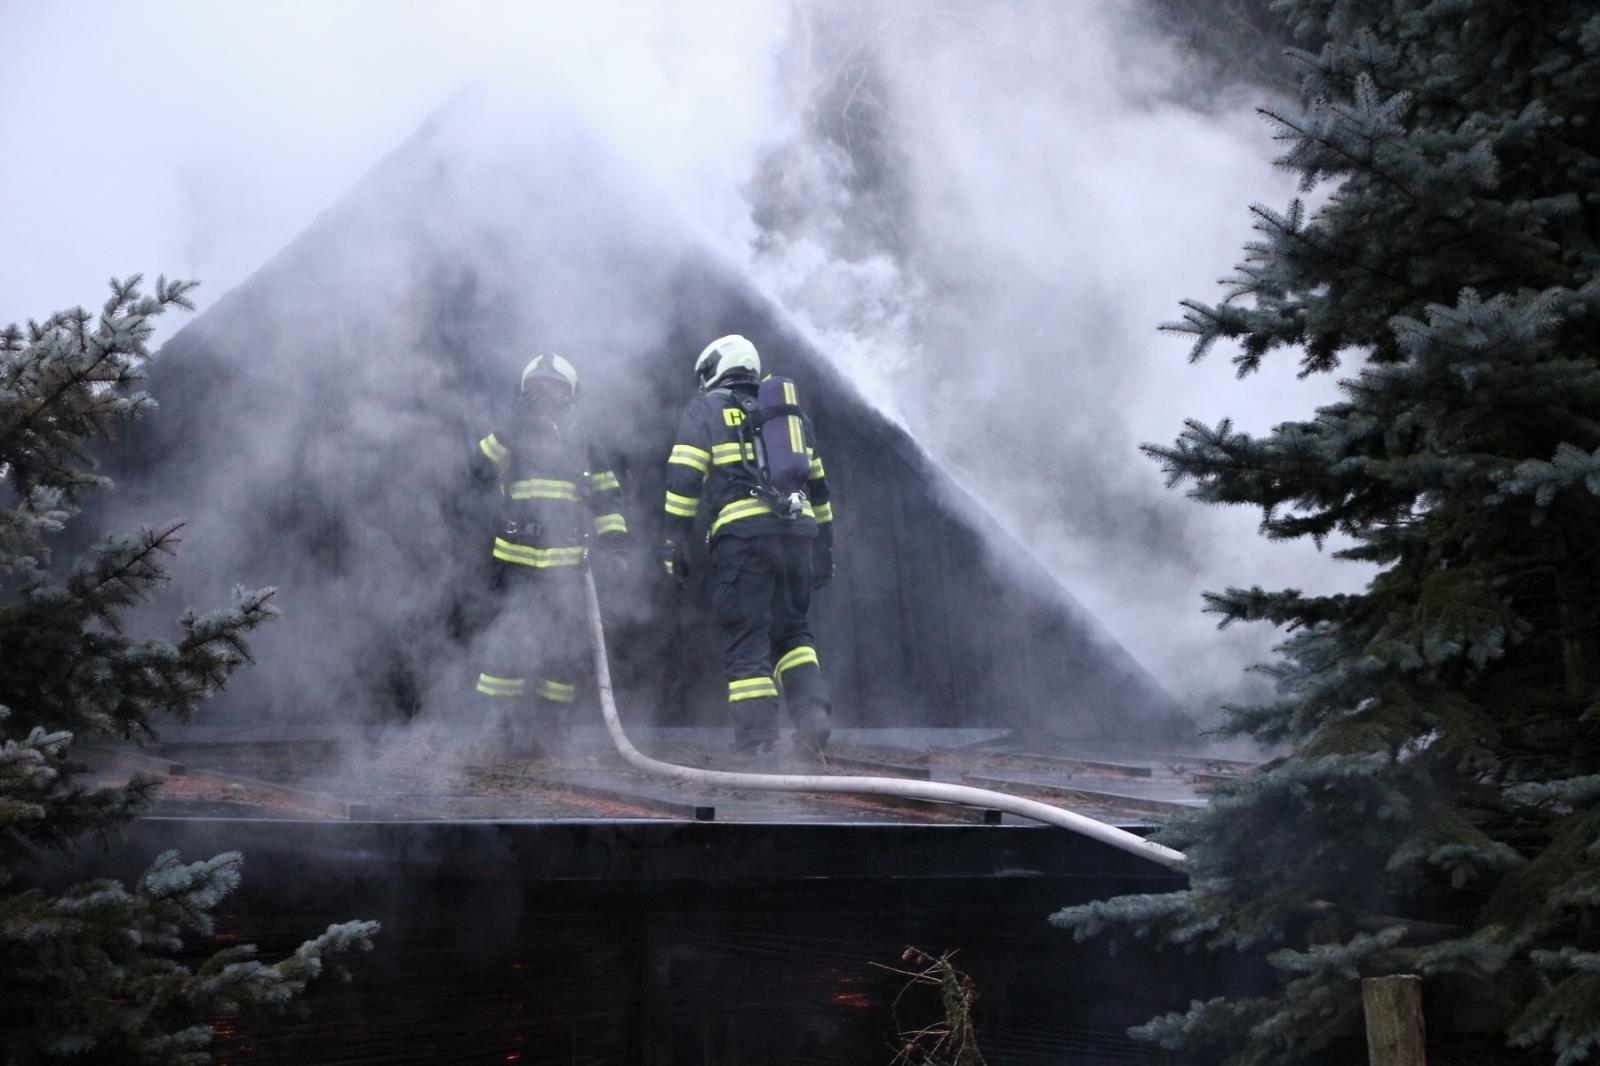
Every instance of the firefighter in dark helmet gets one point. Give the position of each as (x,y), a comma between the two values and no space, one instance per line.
(768,550)
(549,488)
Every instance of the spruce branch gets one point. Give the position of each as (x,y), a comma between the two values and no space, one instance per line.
(1438,728)
(96,969)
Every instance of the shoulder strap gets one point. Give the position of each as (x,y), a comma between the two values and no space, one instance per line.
(762,417)
(745,433)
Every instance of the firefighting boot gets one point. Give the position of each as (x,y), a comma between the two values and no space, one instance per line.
(492,740)
(755,724)
(539,734)
(552,732)
(762,758)
(524,742)
(550,722)
(812,728)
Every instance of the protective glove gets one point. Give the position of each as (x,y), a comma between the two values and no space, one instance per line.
(822,558)
(675,562)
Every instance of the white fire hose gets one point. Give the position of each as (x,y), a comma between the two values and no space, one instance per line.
(877,786)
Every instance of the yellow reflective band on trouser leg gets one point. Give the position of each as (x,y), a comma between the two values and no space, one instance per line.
(752,688)
(801,656)
(555,691)
(501,687)
(610,523)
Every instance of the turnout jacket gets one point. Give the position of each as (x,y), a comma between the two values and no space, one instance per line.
(707,464)
(554,487)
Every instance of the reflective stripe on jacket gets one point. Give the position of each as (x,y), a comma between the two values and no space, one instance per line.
(708,465)
(551,488)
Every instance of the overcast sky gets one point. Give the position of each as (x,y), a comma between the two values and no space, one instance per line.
(196,138)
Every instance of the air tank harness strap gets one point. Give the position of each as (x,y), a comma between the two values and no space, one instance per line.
(761,417)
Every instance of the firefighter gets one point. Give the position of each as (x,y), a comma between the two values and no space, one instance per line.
(764,563)
(549,488)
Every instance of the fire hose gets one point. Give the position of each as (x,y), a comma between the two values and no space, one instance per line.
(859,785)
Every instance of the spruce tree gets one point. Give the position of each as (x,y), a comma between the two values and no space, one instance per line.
(93,973)
(1438,808)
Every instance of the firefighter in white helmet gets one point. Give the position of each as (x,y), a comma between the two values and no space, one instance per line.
(769,548)
(552,491)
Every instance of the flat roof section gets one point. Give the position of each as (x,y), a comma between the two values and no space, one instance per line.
(410,781)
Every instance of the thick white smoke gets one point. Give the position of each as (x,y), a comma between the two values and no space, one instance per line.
(1046,187)
(1047,197)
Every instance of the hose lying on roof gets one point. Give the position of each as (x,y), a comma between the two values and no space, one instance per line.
(879,786)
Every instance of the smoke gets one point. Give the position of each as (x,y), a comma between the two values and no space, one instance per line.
(980,211)
(985,211)
(314,429)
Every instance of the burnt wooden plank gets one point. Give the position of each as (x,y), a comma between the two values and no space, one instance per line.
(1237,765)
(877,766)
(1122,800)
(698,812)
(868,749)
(956,812)
(314,801)
(1076,762)
(978,745)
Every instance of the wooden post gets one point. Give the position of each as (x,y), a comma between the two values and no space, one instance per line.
(1394,1020)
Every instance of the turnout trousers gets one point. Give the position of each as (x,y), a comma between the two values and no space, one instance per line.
(531,651)
(761,592)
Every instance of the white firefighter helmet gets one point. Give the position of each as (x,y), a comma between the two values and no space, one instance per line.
(724,356)
(550,366)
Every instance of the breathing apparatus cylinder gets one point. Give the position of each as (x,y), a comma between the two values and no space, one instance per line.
(781,439)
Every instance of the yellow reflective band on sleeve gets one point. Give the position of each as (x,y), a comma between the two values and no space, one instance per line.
(796,657)
(539,558)
(692,457)
(604,481)
(555,691)
(816,470)
(491,447)
(728,454)
(501,687)
(749,508)
(537,488)
(752,688)
(823,513)
(682,506)
(797,440)
(610,523)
